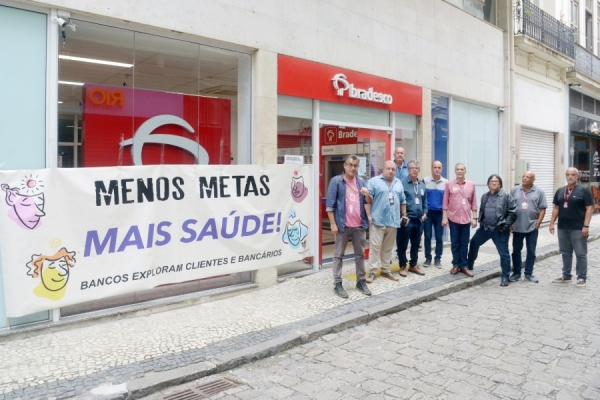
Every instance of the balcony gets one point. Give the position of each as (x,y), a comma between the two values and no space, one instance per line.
(540,34)
(586,70)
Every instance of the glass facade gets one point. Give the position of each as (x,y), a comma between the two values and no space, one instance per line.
(115,84)
(22,106)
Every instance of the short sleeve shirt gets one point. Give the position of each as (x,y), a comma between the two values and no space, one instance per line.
(529,205)
(382,211)
(572,217)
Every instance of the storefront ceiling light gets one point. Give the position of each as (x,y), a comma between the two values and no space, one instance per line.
(71,83)
(94,61)
(60,102)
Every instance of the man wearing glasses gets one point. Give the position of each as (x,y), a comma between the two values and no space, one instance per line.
(386,194)
(416,211)
(345,207)
(497,213)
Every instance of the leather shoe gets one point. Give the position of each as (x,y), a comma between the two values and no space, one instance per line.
(466,272)
(371,277)
(504,282)
(514,278)
(403,272)
(454,270)
(389,276)
(416,270)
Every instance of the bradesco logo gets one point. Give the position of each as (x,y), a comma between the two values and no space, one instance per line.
(340,83)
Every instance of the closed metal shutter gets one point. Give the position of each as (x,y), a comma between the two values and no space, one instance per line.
(538,147)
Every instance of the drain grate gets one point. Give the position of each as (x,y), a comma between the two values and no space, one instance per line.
(185,395)
(218,386)
(204,391)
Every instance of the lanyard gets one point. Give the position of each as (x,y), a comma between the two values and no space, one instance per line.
(566,197)
(416,188)
(525,194)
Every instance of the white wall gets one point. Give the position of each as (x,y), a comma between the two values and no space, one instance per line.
(429,43)
(538,106)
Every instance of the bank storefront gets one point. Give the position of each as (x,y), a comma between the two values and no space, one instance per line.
(341,112)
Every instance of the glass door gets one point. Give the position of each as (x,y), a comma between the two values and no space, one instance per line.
(337,142)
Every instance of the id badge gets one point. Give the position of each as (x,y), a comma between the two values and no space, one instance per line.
(463,201)
(391,198)
(416,200)
(524,206)
(566,205)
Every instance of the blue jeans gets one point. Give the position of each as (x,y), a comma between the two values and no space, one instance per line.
(500,239)
(434,220)
(517,244)
(459,238)
(411,232)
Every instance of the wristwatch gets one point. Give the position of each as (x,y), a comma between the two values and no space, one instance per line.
(586,226)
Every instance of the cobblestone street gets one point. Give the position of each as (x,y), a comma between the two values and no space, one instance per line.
(525,341)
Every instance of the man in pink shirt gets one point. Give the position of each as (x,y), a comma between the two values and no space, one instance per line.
(460,213)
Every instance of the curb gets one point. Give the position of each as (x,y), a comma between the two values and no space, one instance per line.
(154,382)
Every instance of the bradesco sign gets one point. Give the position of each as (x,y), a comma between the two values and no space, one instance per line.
(301,78)
(340,83)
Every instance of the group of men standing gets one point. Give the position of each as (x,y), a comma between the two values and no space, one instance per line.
(397,207)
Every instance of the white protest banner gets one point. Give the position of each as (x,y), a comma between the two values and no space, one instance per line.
(73,235)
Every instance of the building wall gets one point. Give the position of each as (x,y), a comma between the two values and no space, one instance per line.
(429,43)
(539,105)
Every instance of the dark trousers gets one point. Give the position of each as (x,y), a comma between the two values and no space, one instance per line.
(569,242)
(434,221)
(459,238)
(530,239)
(411,232)
(500,239)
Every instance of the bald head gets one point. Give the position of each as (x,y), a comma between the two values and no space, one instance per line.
(399,155)
(527,180)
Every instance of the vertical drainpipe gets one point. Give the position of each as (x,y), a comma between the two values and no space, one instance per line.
(508,115)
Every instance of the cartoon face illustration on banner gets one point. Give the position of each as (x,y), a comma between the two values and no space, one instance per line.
(26,202)
(53,272)
(295,232)
(299,191)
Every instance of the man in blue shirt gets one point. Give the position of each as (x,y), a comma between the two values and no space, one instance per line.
(386,195)
(348,218)
(401,165)
(434,187)
(416,210)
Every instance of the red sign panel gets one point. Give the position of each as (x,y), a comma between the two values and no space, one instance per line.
(301,78)
(125,126)
(334,135)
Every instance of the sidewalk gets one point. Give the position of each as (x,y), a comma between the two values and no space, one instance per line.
(134,357)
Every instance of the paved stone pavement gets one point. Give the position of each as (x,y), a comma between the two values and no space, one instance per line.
(526,341)
(70,360)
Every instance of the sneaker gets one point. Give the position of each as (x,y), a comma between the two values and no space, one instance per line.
(362,287)
(580,283)
(514,278)
(438,264)
(371,277)
(427,263)
(562,279)
(531,278)
(339,290)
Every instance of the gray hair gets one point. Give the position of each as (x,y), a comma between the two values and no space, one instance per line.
(576,171)
(352,157)
(459,163)
(414,162)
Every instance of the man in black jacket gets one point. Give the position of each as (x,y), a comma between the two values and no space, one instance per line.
(497,213)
